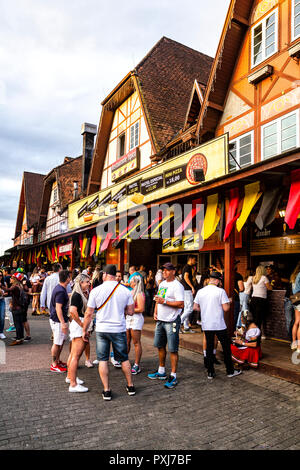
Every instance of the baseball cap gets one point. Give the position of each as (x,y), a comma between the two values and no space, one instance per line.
(110,269)
(169,266)
(216,275)
(20,270)
(18,276)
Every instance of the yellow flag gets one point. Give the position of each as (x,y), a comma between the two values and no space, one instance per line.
(212,217)
(98,245)
(252,195)
(84,242)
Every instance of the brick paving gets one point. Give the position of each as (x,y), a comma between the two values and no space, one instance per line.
(252,411)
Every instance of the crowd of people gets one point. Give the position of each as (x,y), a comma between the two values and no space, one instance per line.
(114,306)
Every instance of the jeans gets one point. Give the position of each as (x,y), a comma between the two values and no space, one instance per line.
(2,314)
(289,316)
(18,317)
(119,345)
(223,337)
(167,333)
(188,308)
(236,311)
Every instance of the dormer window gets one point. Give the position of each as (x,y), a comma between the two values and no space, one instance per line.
(55,194)
(264,39)
(134,135)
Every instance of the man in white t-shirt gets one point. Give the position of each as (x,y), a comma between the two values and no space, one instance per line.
(112,301)
(212,301)
(169,304)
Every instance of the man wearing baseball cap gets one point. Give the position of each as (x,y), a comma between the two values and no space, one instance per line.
(212,302)
(168,308)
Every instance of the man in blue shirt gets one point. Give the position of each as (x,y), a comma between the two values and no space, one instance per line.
(59,320)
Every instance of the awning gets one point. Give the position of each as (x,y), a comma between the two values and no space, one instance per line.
(293,207)
(105,244)
(188,220)
(251,197)
(269,206)
(232,215)
(154,221)
(212,216)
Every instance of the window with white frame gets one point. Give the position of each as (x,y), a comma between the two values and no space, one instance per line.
(242,151)
(280,135)
(264,39)
(134,135)
(121,145)
(295,19)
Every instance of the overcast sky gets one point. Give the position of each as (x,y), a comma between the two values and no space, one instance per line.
(58,61)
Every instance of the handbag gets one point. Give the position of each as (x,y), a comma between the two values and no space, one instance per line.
(295,298)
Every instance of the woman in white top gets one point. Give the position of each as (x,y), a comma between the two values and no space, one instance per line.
(260,285)
(134,323)
(246,347)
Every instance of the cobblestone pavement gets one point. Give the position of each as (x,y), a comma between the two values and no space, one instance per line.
(252,411)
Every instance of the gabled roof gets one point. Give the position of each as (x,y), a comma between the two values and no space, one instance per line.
(166,76)
(235,28)
(195,104)
(64,175)
(30,198)
(163,79)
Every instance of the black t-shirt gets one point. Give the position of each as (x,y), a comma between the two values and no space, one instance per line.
(59,296)
(76,301)
(237,277)
(187,269)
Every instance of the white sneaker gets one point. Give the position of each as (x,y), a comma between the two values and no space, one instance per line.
(88,364)
(96,362)
(2,336)
(78,388)
(235,373)
(78,381)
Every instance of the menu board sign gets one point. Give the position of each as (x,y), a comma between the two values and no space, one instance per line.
(125,165)
(275,245)
(174,244)
(174,176)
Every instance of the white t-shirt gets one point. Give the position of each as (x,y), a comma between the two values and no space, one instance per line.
(111,318)
(259,289)
(174,292)
(210,299)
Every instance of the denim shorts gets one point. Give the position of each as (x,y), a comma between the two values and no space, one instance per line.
(167,333)
(119,345)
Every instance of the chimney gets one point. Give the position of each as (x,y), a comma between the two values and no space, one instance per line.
(88,131)
(75,192)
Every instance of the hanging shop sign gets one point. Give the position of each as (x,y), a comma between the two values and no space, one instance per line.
(66,249)
(171,177)
(126,165)
(275,245)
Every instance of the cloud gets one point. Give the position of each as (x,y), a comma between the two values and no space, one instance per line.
(60,59)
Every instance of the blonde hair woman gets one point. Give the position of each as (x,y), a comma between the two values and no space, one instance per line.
(134,323)
(295,281)
(78,305)
(260,285)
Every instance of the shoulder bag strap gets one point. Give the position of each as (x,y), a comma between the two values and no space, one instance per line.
(109,297)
